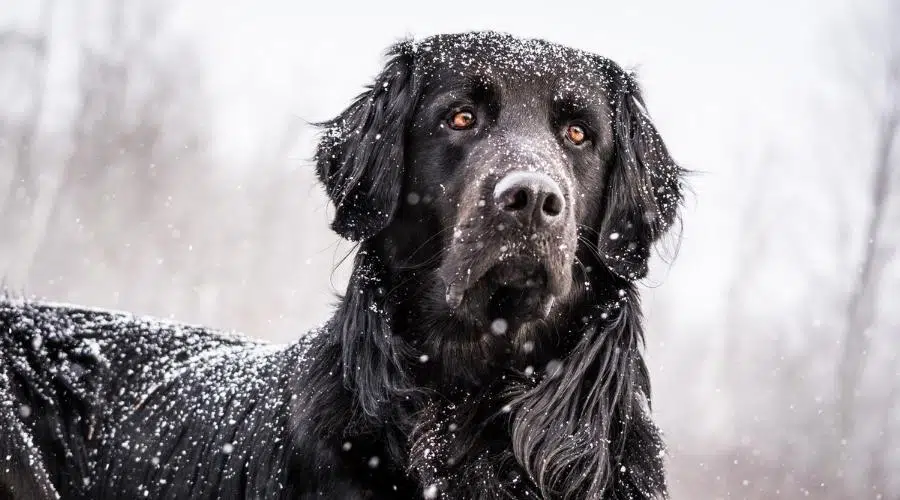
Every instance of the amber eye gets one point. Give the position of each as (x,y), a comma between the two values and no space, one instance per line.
(575,133)
(462,120)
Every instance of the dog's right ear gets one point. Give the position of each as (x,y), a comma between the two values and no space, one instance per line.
(360,154)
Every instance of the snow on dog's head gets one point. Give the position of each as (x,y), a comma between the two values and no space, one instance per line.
(502,166)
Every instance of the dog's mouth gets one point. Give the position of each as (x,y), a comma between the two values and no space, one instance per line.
(515,290)
(519,291)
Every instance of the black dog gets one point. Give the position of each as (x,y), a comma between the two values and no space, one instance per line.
(505,194)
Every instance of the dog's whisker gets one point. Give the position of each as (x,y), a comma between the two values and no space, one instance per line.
(423,245)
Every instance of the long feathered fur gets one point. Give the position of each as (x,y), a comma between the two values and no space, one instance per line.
(572,430)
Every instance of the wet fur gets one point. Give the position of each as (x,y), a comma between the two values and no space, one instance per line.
(479,416)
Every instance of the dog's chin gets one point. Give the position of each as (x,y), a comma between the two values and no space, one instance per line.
(510,294)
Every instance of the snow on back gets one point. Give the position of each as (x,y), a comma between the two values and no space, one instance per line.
(156,379)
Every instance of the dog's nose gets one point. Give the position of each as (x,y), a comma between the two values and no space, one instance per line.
(531,197)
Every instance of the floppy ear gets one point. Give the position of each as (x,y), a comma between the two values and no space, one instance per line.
(643,190)
(360,155)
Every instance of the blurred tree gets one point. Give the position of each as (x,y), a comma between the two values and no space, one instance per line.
(138,154)
(880,90)
(25,58)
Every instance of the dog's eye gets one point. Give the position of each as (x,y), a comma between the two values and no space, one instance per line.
(462,120)
(576,134)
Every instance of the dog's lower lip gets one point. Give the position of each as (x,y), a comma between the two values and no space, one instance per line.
(530,281)
(520,304)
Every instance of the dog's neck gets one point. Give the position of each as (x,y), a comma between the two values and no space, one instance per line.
(580,387)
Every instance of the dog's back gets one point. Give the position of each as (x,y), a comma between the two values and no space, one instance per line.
(107,404)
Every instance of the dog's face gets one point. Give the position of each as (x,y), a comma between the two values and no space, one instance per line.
(510,144)
(507,168)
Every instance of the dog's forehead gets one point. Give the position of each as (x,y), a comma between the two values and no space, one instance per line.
(494,56)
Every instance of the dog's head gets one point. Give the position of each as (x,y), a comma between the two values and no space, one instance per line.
(504,167)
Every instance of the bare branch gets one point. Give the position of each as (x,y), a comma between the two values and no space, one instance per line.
(877,250)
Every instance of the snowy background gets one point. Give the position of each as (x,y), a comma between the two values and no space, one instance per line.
(154,157)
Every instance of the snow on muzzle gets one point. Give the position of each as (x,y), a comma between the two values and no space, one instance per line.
(522,239)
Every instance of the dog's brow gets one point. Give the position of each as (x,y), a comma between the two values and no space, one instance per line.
(453,89)
(581,106)
(572,97)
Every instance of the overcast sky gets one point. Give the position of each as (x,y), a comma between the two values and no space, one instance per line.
(717,75)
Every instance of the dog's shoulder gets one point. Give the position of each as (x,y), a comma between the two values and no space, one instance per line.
(61,348)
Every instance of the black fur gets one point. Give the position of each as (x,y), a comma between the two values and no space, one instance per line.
(472,356)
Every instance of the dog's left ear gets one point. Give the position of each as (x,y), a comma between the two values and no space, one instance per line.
(360,155)
(643,189)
